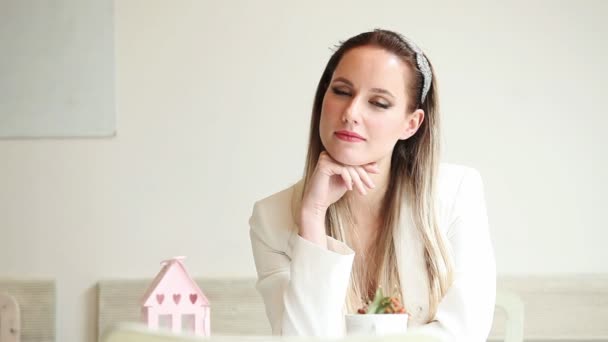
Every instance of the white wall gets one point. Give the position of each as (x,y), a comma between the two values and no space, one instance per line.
(213,103)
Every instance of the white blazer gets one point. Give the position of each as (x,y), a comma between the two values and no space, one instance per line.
(304,286)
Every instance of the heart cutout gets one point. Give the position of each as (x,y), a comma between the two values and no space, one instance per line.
(193,298)
(176,298)
(160,298)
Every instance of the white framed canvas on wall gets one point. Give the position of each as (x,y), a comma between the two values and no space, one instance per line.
(56,69)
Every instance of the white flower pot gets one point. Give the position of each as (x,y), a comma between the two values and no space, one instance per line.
(376,324)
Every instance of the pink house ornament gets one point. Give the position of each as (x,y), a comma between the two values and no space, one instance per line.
(175,295)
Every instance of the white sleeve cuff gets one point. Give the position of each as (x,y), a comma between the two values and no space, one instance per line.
(319,277)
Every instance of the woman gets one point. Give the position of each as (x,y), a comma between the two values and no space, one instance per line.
(375,208)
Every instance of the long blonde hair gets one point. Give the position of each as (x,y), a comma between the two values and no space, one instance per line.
(414,166)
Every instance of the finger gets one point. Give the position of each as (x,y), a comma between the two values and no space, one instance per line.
(347,178)
(371,167)
(367,180)
(328,166)
(357,180)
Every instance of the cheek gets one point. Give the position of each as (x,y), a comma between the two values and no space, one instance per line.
(383,131)
(330,112)
(331,107)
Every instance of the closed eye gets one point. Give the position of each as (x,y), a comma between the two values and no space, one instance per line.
(380,105)
(339,92)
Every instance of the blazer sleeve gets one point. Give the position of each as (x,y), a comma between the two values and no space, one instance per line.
(467,310)
(304,290)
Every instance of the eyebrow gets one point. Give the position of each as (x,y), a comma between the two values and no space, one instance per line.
(375,90)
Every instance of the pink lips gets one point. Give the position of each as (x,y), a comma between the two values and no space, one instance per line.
(349,136)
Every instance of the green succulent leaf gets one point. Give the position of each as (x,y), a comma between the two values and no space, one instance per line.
(376,303)
(384,303)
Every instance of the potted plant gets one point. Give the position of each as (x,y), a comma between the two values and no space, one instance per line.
(384,315)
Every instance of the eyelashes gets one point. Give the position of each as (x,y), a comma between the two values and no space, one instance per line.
(339,92)
(381,105)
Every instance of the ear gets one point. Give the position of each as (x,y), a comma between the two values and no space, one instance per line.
(412,123)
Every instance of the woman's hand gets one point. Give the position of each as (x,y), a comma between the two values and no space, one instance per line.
(329,182)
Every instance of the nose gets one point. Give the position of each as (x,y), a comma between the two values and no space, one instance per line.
(352,112)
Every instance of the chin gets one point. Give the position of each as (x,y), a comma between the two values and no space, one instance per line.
(348,157)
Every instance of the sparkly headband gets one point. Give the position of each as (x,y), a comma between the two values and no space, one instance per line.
(425,68)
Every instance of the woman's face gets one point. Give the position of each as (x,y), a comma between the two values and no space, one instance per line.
(364,109)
